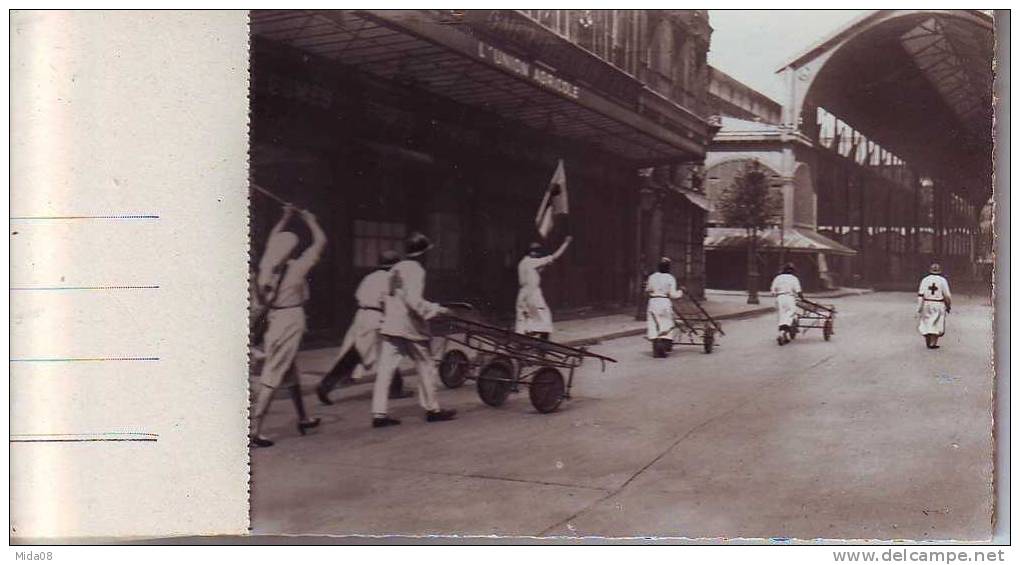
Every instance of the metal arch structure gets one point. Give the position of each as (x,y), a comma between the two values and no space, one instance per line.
(907,166)
(917,82)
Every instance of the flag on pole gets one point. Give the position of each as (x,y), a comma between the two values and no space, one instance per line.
(554,203)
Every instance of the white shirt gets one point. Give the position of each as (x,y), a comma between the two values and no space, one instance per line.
(785,284)
(292,288)
(662,285)
(373,289)
(935,288)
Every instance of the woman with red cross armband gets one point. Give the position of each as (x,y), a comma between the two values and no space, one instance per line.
(933,303)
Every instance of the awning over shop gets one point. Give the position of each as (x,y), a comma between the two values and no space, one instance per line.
(449,59)
(794,240)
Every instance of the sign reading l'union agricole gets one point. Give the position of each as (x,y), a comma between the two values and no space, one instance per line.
(527,70)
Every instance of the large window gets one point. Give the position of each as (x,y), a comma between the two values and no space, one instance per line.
(372,238)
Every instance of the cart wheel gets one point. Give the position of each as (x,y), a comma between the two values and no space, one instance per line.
(827,330)
(546,390)
(494,382)
(709,341)
(454,368)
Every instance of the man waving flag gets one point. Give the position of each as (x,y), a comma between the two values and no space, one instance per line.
(554,203)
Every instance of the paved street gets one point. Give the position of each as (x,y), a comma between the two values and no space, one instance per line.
(867,436)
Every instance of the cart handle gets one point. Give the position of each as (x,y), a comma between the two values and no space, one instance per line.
(513,336)
(689,296)
(829,308)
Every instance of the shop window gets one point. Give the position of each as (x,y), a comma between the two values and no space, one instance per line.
(444,229)
(372,238)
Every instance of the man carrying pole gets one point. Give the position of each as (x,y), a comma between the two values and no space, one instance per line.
(283,289)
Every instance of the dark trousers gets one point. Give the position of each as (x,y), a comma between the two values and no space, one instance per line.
(345,366)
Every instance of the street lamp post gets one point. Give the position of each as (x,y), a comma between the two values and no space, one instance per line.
(752,267)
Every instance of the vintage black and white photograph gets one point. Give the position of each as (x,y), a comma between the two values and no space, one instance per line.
(703,275)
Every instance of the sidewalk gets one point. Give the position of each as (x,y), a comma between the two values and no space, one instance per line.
(720,304)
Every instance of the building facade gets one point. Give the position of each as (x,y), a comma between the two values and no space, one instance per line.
(788,159)
(452,122)
(728,96)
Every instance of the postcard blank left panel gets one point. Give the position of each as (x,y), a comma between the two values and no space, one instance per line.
(128,273)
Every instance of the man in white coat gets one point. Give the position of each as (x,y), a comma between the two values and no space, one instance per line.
(405,334)
(786,289)
(662,291)
(360,347)
(533,315)
(933,303)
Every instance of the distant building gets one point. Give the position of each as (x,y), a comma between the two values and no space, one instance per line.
(751,132)
(785,156)
(728,96)
(883,154)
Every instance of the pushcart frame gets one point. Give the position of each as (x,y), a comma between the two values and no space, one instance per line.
(699,329)
(814,315)
(506,360)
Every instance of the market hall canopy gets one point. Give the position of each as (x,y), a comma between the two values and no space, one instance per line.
(504,63)
(794,240)
(917,82)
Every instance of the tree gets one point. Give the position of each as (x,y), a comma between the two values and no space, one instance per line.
(749,203)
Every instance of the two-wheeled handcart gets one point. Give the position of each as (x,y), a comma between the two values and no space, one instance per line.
(692,325)
(813,315)
(503,361)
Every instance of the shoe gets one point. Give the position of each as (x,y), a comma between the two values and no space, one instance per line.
(936,346)
(401,394)
(259,441)
(780,341)
(323,395)
(383,421)
(440,415)
(304,425)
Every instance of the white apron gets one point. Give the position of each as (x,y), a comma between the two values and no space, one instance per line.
(533,314)
(933,318)
(786,309)
(933,291)
(661,324)
(662,290)
(785,288)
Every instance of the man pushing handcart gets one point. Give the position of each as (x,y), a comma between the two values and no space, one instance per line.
(671,322)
